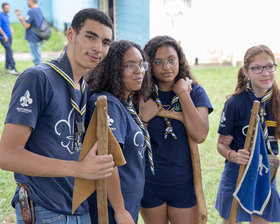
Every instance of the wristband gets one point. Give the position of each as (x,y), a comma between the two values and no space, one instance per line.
(182,92)
(145,122)
(228,154)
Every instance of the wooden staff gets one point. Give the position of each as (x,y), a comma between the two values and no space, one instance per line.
(202,209)
(102,138)
(248,140)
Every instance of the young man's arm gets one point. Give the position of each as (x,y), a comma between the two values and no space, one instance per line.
(14,157)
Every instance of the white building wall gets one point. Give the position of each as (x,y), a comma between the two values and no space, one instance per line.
(217,30)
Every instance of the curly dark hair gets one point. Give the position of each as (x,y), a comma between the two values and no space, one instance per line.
(92,14)
(151,48)
(108,74)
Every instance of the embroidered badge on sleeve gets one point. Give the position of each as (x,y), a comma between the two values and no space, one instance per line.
(25,101)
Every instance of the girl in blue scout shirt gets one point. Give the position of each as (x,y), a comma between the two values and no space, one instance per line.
(120,77)
(256,81)
(169,192)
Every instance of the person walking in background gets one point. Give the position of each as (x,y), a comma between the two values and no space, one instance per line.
(122,77)
(44,126)
(34,20)
(6,39)
(256,81)
(169,194)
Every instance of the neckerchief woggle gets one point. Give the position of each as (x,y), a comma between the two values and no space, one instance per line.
(131,110)
(168,125)
(264,100)
(79,112)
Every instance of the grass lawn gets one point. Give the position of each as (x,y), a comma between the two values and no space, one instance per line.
(19,44)
(217,81)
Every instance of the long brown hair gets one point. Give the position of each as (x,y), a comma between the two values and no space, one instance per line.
(242,81)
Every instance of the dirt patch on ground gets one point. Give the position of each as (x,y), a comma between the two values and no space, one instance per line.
(26,56)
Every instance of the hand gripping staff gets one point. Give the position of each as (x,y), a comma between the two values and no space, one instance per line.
(202,209)
(97,130)
(252,123)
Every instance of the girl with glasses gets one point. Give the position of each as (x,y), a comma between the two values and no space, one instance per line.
(169,192)
(256,81)
(121,77)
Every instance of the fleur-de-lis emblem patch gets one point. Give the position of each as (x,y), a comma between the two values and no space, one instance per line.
(223,117)
(26,100)
(110,120)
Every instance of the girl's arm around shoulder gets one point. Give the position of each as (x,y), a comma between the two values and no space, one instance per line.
(148,110)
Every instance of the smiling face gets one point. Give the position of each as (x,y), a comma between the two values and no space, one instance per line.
(165,67)
(88,47)
(132,78)
(263,81)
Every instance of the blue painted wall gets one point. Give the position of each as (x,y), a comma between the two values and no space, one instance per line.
(64,10)
(45,5)
(133,20)
(56,12)
(133,16)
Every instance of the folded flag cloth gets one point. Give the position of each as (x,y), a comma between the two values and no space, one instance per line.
(254,189)
(84,188)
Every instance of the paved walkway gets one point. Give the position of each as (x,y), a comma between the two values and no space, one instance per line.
(26,56)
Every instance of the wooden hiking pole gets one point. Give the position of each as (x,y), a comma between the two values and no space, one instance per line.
(202,209)
(102,138)
(248,140)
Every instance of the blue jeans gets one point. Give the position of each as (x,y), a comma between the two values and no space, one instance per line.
(10,63)
(35,50)
(45,216)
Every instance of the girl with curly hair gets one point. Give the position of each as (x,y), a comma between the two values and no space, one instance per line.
(121,76)
(256,81)
(169,193)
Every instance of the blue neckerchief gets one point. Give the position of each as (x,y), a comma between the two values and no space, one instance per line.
(79,116)
(168,125)
(130,108)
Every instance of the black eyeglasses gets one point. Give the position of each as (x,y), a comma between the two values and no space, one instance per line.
(171,62)
(259,69)
(133,67)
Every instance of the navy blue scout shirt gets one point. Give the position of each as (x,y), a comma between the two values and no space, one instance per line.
(172,157)
(41,100)
(130,135)
(235,121)
(35,18)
